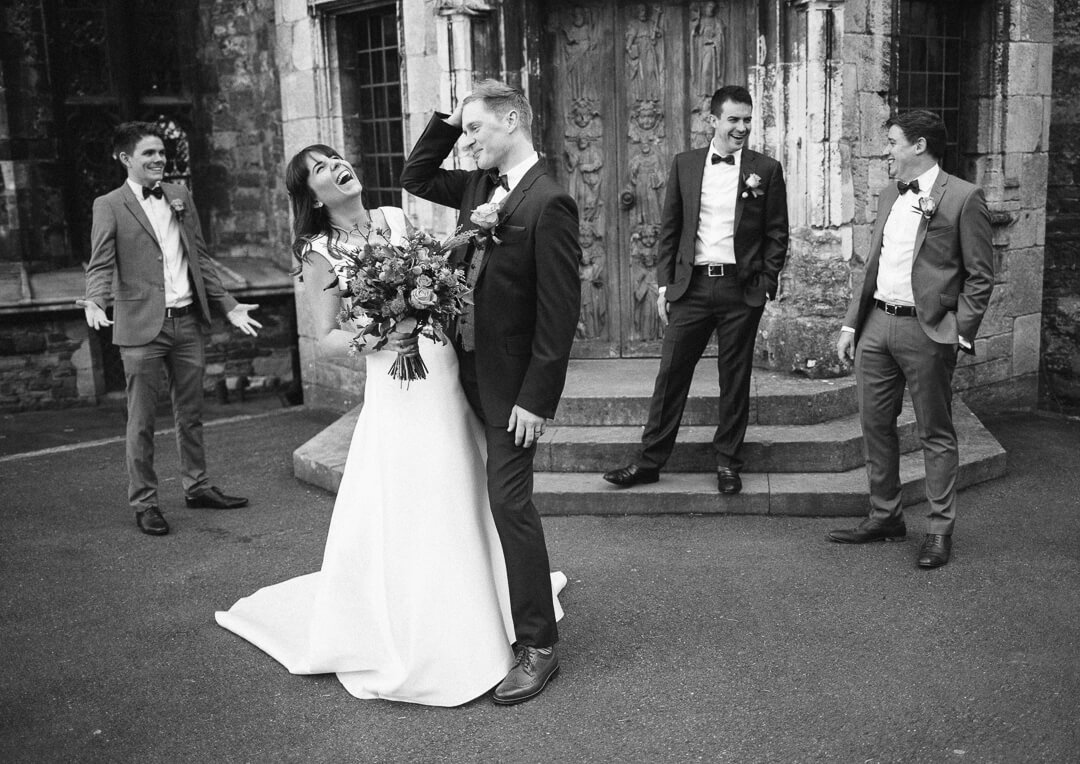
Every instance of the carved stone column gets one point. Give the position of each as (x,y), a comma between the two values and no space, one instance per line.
(455,35)
(804,98)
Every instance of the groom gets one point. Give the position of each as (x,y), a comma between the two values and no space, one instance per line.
(514,340)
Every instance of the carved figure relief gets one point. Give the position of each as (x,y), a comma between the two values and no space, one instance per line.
(593,316)
(644,46)
(585,161)
(646,323)
(579,44)
(648,177)
(707,48)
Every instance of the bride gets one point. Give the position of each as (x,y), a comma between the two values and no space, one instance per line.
(411,602)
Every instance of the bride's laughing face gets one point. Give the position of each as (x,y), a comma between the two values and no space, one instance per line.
(331,179)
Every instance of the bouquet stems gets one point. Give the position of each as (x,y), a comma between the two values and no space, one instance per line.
(408,367)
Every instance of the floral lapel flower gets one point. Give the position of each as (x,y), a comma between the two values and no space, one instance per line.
(178,208)
(752,184)
(926,207)
(486,217)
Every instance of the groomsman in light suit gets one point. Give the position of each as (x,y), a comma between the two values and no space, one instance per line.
(723,241)
(929,275)
(147,250)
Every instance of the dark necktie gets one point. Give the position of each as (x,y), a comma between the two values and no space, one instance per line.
(729,159)
(155,191)
(903,187)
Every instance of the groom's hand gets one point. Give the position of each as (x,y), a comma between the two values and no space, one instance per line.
(526,426)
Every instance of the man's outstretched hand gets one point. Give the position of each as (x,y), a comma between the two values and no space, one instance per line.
(239,318)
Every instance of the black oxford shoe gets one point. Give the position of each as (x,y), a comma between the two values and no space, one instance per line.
(935,550)
(632,474)
(528,677)
(728,480)
(213,498)
(870,530)
(151,522)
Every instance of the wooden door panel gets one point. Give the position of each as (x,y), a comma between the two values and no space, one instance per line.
(625,88)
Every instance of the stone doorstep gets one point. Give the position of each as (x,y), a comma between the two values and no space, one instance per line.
(617,393)
(842,493)
(833,446)
(839,494)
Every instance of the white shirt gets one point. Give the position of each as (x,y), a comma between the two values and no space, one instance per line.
(167,230)
(898,243)
(715,241)
(514,176)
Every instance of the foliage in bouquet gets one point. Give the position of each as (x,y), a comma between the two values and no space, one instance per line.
(410,288)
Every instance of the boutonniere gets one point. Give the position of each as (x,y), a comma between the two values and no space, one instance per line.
(178,208)
(752,184)
(486,218)
(926,207)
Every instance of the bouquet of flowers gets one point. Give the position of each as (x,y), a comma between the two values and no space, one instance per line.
(409,288)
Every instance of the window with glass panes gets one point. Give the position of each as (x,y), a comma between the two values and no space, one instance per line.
(928,74)
(370,70)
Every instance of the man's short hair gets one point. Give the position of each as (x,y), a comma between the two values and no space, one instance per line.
(501,99)
(920,123)
(127,134)
(733,93)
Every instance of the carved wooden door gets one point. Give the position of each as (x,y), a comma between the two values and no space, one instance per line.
(624,88)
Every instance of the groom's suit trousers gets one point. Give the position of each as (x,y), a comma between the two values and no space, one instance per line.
(510,488)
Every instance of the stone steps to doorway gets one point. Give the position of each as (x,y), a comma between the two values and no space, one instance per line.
(803,450)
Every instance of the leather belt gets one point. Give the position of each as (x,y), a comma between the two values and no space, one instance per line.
(181,311)
(894,310)
(725,270)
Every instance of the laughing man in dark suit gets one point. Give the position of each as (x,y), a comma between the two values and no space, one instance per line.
(723,241)
(514,342)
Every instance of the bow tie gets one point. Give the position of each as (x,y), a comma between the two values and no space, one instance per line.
(155,191)
(903,187)
(498,180)
(729,159)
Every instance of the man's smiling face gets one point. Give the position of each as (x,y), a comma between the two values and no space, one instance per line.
(487,135)
(146,162)
(732,127)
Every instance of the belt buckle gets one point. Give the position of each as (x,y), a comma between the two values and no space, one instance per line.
(716,271)
(890,310)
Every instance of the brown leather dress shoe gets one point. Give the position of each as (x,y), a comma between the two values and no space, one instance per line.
(213,498)
(632,474)
(151,522)
(728,480)
(935,550)
(870,530)
(528,677)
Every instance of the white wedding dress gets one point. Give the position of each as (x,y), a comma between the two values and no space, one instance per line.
(411,603)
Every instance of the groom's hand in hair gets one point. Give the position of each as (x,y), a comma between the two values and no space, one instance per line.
(526,426)
(454,120)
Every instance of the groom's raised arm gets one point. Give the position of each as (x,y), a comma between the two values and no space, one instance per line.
(423,175)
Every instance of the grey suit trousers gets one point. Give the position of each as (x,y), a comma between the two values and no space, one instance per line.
(894,352)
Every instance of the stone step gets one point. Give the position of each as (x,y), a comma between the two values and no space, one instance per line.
(617,393)
(321,459)
(765,493)
(834,446)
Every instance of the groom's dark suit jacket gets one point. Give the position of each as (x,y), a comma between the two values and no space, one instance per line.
(527,294)
(126,261)
(761,226)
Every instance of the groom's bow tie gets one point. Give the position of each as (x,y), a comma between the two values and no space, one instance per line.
(155,191)
(729,159)
(498,180)
(903,187)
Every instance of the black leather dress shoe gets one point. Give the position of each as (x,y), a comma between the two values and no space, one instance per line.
(528,677)
(213,498)
(870,530)
(151,521)
(728,480)
(935,550)
(632,474)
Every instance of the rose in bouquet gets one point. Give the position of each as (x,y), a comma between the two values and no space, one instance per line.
(410,288)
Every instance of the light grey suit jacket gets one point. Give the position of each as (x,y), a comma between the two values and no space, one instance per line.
(126,260)
(952,273)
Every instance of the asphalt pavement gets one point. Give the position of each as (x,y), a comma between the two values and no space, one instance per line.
(686,638)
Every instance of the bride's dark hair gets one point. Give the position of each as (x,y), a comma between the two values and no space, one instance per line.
(309,221)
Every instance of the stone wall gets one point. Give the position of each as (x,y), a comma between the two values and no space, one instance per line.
(1059,388)
(54,362)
